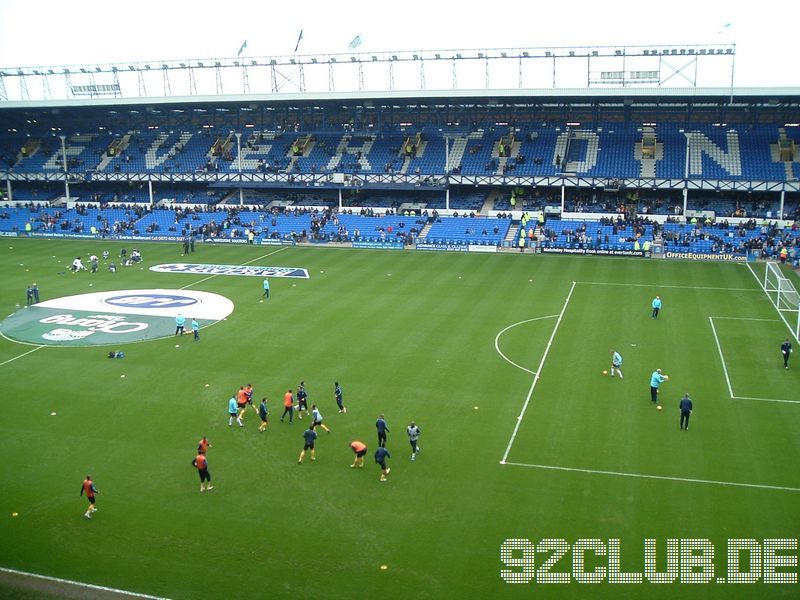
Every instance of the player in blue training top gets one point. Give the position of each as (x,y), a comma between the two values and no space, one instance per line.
(656,379)
(616,363)
(381,454)
(180,322)
(233,412)
(316,419)
(266,287)
(196,330)
(656,306)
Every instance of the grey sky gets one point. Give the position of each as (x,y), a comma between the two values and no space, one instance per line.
(90,31)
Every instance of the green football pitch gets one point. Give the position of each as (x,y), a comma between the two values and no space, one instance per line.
(498,358)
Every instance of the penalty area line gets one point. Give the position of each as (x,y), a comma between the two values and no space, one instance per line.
(760,486)
(725,367)
(78,584)
(674,287)
(765,399)
(721,357)
(536,376)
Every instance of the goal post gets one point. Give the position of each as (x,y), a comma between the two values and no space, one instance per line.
(783,295)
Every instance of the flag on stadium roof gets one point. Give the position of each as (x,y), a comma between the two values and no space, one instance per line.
(299,39)
(354,43)
(242,48)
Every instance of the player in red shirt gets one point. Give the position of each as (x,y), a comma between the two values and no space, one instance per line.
(203,445)
(88,487)
(360,449)
(200,462)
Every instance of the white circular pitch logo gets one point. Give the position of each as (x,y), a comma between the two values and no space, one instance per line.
(114,317)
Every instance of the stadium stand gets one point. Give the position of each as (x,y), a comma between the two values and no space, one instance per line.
(406,171)
(607,150)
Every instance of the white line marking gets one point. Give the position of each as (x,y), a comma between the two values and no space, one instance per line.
(81,584)
(725,368)
(780,313)
(247,263)
(656,286)
(21,355)
(661,477)
(536,377)
(747,319)
(497,340)
(766,399)
(721,357)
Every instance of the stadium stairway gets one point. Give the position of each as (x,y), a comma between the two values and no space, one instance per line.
(457,152)
(424,231)
(511,234)
(308,148)
(648,165)
(488,204)
(775,154)
(125,142)
(503,160)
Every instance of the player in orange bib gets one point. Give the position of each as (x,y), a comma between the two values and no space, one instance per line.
(360,450)
(241,401)
(288,406)
(87,487)
(200,462)
(203,445)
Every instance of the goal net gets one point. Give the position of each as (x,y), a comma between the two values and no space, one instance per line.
(783,295)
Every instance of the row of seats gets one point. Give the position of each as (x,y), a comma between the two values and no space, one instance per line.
(348,227)
(607,151)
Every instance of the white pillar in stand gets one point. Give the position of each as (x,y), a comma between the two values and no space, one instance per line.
(447,156)
(686,175)
(239,165)
(64,159)
(447,173)
(150,189)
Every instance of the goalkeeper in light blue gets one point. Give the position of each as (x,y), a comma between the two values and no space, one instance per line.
(616,363)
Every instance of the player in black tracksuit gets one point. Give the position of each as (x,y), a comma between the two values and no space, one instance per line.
(786,350)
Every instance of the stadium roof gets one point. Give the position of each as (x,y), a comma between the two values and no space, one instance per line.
(716,95)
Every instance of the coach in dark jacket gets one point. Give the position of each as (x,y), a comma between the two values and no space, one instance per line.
(686,411)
